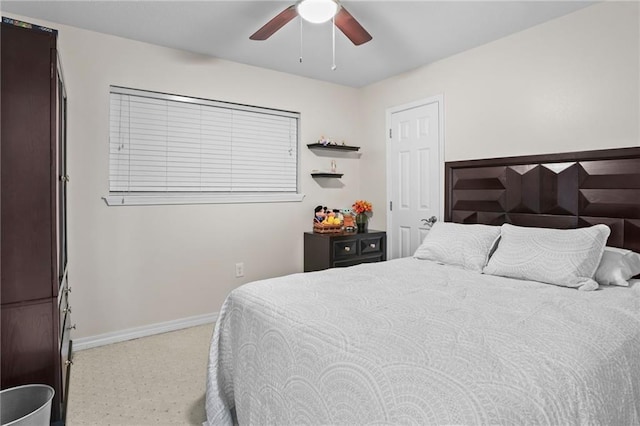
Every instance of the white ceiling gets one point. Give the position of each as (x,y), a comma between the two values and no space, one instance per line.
(406,34)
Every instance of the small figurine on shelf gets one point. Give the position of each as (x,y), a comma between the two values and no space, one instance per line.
(324,141)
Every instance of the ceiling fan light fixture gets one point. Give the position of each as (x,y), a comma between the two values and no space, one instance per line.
(317,11)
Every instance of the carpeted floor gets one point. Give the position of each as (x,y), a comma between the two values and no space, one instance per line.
(156,380)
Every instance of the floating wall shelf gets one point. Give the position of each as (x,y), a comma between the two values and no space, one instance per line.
(326,175)
(333,147)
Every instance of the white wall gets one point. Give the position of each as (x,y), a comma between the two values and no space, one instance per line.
(134,266)
(570,84)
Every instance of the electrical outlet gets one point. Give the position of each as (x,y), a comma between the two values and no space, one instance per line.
(239,270)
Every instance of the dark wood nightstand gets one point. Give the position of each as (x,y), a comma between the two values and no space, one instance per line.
(323,251)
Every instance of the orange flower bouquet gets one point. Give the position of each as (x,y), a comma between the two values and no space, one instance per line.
(361,208)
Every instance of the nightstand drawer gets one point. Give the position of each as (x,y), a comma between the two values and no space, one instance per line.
(370,245)
(324,251)
(345,248)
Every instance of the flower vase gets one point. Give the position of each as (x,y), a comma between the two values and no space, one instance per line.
(362,221)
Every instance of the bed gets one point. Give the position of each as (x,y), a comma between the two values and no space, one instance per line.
(430,342)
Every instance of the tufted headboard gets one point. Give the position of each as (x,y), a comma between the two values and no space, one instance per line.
(569,190)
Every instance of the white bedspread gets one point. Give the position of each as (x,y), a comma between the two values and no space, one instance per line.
(411,341)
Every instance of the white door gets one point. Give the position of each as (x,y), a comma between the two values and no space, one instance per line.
(414,175)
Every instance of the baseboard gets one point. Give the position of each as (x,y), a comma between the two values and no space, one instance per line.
(145,330)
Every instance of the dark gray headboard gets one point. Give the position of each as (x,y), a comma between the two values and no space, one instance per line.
(568,190)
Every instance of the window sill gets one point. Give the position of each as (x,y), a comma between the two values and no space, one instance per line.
(162,199)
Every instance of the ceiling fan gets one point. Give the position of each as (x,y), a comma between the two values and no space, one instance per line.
(317,11)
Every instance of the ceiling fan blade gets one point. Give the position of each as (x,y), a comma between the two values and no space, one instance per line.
(275,24)
(351,28)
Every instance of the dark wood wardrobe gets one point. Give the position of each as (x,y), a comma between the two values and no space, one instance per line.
(36,321)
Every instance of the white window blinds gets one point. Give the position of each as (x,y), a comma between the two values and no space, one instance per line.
(173,144)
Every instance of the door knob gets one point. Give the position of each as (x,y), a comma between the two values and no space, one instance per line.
(430,221)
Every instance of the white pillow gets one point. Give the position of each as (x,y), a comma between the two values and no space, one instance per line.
(617,266)
(564,257)
(457,244)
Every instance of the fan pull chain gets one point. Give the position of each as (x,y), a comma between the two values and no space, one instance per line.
(333,20)
(301,39)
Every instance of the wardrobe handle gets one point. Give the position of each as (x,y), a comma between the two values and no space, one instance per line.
(347,248)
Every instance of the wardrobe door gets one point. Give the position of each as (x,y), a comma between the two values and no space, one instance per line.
(26,165)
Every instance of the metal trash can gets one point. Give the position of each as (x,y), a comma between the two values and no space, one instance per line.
(28,405)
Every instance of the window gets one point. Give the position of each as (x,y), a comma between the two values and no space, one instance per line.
(167,149)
